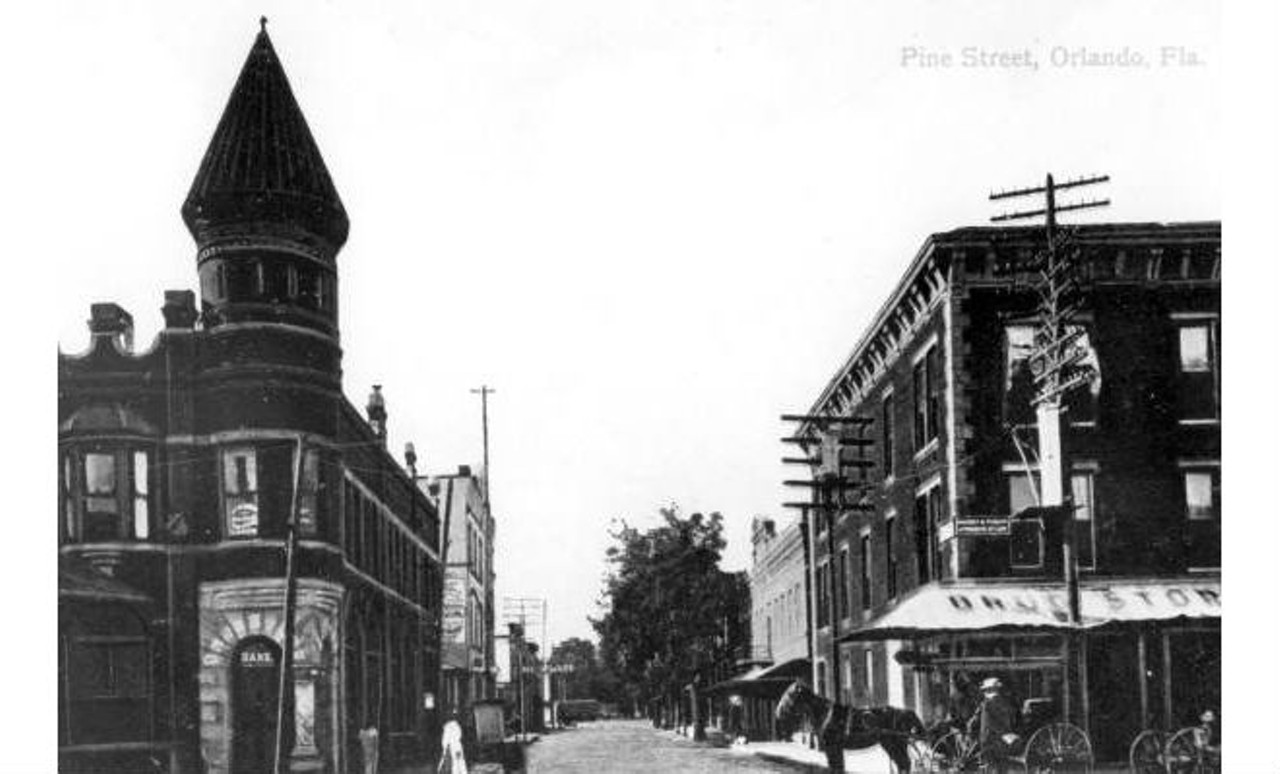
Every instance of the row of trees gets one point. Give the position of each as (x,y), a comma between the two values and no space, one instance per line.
(671,616)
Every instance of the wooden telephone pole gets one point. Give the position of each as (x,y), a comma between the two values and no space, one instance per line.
(842,447)
(1058,367)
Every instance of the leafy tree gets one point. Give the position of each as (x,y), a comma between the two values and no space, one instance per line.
(589,679)
(670,613)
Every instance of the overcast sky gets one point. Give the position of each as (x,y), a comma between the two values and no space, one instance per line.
(651,227)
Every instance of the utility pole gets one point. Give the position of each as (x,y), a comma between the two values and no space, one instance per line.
(284,701)
(836,437)
(1057,369)
(484,391)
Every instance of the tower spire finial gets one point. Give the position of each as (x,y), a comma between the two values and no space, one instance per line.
(262,21)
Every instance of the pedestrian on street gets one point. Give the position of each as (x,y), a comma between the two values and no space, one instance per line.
(452,759)
(996,718)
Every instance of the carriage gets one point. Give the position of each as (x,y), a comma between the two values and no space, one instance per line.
(1051,745)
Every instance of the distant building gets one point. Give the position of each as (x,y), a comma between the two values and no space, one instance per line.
(779,641)
(467,639)
(936,585)
(181,468)
(779,625)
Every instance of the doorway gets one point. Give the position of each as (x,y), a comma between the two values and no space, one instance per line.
(255,691)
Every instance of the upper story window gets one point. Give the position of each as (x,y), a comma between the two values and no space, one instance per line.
(1197,370)
(1020,388)
(864,556)
(240,491)
(1023,492)
(1085,524)
(822,597)
(928,514)
(890,556)
(886,436)
(845,572)
(925,380)
(106,494)
(308,493)
(1202,495)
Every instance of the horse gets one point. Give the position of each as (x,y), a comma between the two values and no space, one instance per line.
(843,728)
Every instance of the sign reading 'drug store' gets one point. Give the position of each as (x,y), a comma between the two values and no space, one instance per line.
(962,607)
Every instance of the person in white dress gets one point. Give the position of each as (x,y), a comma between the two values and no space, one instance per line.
(452,759)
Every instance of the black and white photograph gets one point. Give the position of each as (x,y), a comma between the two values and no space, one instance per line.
(584,386)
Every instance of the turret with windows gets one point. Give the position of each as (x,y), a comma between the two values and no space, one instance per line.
(263,210)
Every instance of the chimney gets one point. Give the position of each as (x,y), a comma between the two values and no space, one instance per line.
(411,459)
(377,411)
(111,321)
(179,310)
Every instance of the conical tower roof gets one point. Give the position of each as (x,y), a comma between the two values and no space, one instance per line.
(262,174)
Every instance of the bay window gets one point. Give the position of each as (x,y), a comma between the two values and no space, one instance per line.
(106,493)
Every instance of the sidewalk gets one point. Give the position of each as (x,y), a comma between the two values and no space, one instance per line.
(869,761)
(473,767)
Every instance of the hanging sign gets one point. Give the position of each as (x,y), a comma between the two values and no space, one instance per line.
(982,526)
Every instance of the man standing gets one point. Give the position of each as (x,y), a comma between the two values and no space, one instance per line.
(996,718)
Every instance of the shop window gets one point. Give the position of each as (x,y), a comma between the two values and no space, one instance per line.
(114,495)
(109,690)
(1197,371)
(240,492)
(308,493)
(925,379)
(886,439)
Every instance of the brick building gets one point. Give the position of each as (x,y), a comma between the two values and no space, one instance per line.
(934,584)
(467,637)
(182,467)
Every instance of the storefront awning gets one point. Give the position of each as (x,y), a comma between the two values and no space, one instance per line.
(997,606)
(764,681)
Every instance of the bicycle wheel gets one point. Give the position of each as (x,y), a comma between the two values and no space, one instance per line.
(1059,747)
(1146,754)
(955,753)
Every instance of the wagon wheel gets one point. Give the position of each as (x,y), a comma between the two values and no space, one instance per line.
(1059,747)
(1146,754)
(1188,753)
(954,753)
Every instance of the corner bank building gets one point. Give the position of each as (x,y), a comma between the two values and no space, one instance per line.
(185,469)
